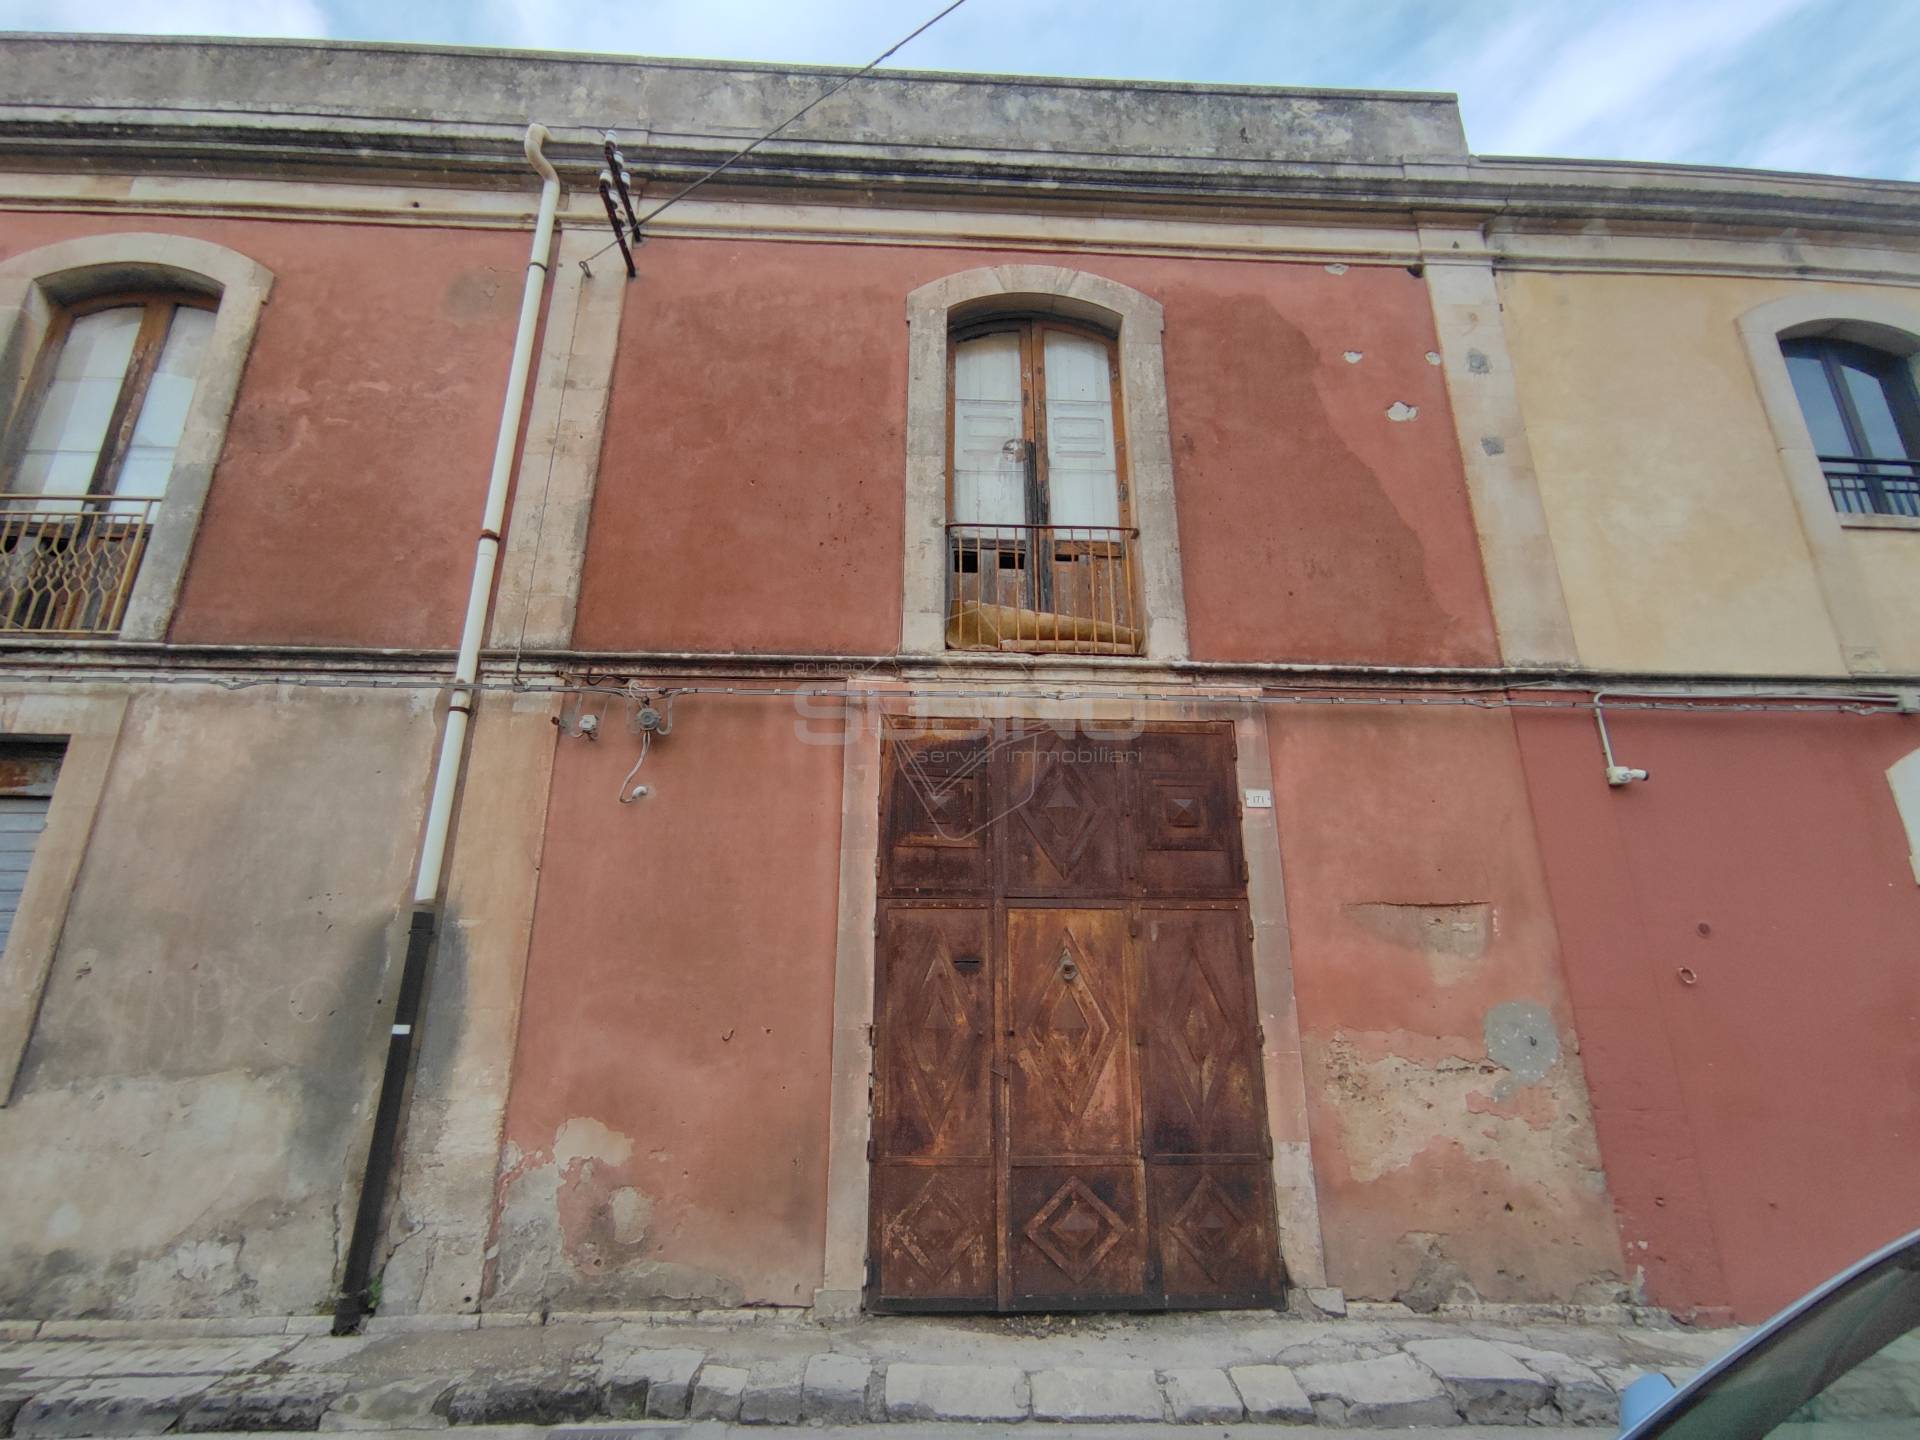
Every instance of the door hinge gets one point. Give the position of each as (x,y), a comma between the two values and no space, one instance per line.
(1244,876)
(870,1149)
(873,1274)
(1269,1139)
(869,1037)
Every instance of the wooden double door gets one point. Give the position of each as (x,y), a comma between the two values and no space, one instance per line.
(1068,1109)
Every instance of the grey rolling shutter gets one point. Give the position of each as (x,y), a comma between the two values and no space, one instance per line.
(22,818)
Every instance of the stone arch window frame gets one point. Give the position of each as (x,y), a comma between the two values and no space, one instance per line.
(1136,321)
(36,285)
(1889,323)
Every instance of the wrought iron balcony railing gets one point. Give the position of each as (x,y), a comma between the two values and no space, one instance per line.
(67,563)
(1042,589)
(1873,487)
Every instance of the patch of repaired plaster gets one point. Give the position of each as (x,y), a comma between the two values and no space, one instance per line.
(1354,357)
(1336,269)
(1400,410)
(1450,937)
(573,1230)
(584,1139)
(1522,1038)
(1433,357)
(1493,445)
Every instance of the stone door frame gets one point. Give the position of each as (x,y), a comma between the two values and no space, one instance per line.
(1302,1250)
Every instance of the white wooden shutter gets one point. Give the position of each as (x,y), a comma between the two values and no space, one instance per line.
(1083,476)
(989,469)
(22,818)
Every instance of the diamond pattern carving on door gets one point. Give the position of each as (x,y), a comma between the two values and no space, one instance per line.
(938,1043)
(1073,1036)
(1062,816)
(1209,1228)
(1069,1102)
(1075,1229)
(1202,1040)
(1070,1087)
(936,1229)
(1067,837)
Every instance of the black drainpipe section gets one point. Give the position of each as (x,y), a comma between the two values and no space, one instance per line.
(355,1299)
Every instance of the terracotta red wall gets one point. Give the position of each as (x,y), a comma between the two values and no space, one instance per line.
(1453,1150)
(750,495)
(1758,1121)
(667,1123)
(344,507)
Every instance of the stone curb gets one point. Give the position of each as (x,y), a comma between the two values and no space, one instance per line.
(1322,1303)
(254,1384)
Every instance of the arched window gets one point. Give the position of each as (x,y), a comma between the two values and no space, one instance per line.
(120,357)
(1040,536)
(101,419)
(109,398)
(1860,407)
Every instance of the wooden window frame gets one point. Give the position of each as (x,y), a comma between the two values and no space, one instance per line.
(156,323)
(1032,331)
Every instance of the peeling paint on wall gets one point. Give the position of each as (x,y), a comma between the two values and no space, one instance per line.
(1451,938)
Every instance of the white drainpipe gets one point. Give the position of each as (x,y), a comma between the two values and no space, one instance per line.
(446,771)
(355,1296)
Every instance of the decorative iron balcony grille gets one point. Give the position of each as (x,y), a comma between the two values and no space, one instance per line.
(1873,487)
(1042,589)
(67,563)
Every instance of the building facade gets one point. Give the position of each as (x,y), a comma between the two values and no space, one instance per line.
(1059,716)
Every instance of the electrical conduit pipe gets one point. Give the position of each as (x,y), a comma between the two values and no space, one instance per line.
(355,1297)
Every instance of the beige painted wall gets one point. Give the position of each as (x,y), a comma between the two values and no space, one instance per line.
(1889,562)
(189,1121)
(1679,544)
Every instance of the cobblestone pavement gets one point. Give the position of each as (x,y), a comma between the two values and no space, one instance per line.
(1110,1375)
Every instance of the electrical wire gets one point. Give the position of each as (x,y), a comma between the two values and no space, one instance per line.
(627,793)
(799,114)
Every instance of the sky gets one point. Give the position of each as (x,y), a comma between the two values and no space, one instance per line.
(1812,85)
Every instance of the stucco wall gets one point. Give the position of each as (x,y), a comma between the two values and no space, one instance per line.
(342,511)
(1677,537)
(1739,935)
(750,494)
(667,1126)
(1453,1147)
(189,1113)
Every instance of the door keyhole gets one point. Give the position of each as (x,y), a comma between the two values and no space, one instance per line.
(1069,971)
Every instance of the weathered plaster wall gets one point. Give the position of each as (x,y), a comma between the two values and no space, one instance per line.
(188,1116)
(667,1130)
(750,490)
(1452,1141)
(442,1210)
(1739,936)
(343,507)
(1678,541)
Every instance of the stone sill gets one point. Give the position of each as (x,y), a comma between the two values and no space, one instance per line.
(1879,522)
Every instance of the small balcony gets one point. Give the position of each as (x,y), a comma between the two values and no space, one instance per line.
(67,563)
(1862,486)
(1042,589)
